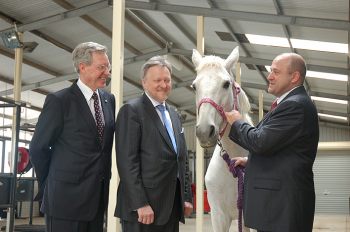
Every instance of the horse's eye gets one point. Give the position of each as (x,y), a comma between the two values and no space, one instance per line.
(226,85)
(193,86)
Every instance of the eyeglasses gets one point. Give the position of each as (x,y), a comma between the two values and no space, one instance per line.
(103,68)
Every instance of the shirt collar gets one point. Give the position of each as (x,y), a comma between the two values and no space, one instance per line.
(285,95)
(154,102)
(87,92)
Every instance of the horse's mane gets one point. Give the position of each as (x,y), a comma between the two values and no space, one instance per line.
(210,62)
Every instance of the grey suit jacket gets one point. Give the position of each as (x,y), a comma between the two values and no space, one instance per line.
(147,163)
(279,187)
(70,163)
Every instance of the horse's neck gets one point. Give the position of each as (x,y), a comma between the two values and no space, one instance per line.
(231,148)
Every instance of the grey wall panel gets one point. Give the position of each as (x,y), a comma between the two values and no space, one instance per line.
(332,182)
(332,134)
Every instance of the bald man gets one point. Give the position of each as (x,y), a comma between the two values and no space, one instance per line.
(279,193)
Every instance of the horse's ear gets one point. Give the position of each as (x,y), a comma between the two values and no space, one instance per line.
(196,58)
(232,59)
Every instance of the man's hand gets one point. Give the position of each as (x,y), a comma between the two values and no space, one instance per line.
(233,116)
(146,215)
(240,161)
(188,208)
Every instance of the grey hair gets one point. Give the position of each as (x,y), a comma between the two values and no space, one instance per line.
(155,61)
(83,53)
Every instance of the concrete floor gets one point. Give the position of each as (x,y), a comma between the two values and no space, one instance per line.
(323,223)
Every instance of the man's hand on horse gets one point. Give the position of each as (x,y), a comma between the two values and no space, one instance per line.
(240,161)
(233,116)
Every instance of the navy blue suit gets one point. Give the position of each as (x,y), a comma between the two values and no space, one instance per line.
(279,188)
(148,165)
(72,166)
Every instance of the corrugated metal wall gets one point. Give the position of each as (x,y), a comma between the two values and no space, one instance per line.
(332,133)
(332,173)
(332,182)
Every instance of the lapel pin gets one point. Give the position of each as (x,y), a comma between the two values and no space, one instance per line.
(106,100)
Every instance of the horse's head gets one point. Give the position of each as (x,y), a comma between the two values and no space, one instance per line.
(214,86)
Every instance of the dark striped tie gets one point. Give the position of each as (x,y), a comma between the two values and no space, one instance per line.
(98,117)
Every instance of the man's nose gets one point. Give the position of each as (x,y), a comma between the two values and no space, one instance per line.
(270,76)
(107,71)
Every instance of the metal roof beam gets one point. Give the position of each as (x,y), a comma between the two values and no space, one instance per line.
(245,60)
(80,11)
(42,83)
(239,15)
(178,9)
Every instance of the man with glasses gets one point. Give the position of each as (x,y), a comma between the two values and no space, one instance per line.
(72,143)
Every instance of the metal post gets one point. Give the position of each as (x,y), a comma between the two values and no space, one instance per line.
(14,154)
(261,105)
(199,149)
(113,224)
(3,155)
(15,134)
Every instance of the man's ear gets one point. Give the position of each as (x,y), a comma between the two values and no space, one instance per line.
(296,78)
(81,67)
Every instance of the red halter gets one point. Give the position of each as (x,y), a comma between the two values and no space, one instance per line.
(236,90)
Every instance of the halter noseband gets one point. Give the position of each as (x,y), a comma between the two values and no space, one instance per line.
(236,90)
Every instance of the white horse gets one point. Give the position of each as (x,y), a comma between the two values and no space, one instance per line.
(216,91)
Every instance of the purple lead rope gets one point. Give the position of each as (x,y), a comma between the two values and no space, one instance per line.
(239,173)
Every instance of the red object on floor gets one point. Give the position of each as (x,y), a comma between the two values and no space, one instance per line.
(205,196)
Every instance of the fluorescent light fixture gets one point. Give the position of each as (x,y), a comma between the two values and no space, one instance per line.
(298,43)
(333,116)
(321,75)
(331,100)
(11,39)
(328,76)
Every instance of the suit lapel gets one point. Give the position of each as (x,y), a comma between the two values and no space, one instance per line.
(298,90)
(84,109)
(156,120)
(106,108)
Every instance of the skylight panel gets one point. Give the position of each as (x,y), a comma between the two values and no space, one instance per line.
(267,40)
(320,75)
(298,43)
(319,46)
(328,76)
(333,116)
(331,100)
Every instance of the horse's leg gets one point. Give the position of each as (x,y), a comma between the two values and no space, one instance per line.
(221,193)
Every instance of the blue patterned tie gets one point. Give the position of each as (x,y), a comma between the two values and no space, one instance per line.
(167,125)
(98,117)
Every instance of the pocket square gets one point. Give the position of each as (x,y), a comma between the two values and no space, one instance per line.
(182,130)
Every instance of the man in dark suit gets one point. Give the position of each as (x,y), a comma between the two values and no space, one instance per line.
(72,143)
(153,193)
(279,193)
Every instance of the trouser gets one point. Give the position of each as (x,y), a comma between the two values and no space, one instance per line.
(171,226)
(64,225)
